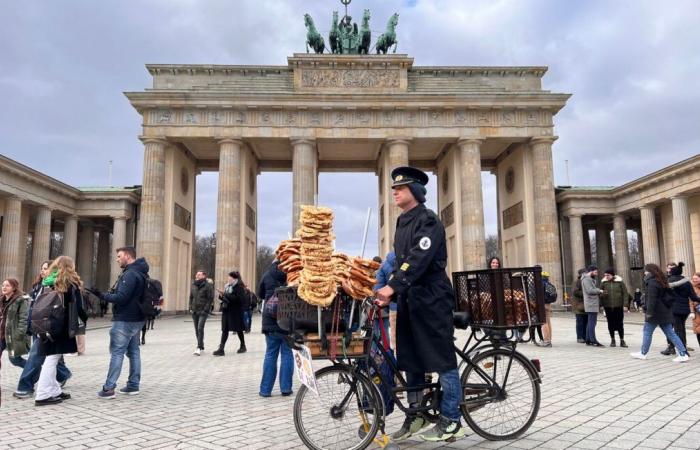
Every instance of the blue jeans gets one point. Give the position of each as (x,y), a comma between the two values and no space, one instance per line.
(199,319)
(451,392)
(275,345)
(581,322)
(32,369)
(124,338)
(590,327)
(247,319)
(671,335)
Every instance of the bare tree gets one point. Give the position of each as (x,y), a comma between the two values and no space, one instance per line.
(204,255)
(263,259)
(491,246)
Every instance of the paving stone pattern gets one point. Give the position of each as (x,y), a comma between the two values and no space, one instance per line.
(591,398)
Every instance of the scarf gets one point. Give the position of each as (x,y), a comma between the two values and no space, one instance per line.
(50,280)
(200,283)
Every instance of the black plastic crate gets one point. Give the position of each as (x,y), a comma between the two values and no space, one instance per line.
(496,298)
(295,315)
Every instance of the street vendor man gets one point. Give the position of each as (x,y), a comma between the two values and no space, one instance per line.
(425,299)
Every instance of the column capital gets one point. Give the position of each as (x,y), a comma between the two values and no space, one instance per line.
(543,140)
(230,140)
(120,217)
(71,217)
(647,207)
(574,216)
(14,198)
(153,140)
(302,141)
(398,140)
(470,141)
(679,197)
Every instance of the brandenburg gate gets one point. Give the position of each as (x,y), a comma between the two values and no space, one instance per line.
(337,112)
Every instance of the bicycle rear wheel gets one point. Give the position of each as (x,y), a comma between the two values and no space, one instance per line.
(345,415)
(494,410)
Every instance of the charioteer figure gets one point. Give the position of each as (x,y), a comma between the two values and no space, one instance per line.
(425,299)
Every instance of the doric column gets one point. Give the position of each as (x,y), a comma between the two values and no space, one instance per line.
(546,221)
(104,261)
(118,240)
(397,156)
(682,237)
(86,253)
(602,242)
(228,214)
(622,252)
(578,255)
(472,204)
(304,176)
(70,236)
(10,241)
(41,240)
(152,222)
(650,239)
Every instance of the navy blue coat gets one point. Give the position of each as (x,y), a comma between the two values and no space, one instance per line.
(272,279)
(127,292)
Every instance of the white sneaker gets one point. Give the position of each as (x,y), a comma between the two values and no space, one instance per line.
(197,352)
(681,358)
(638,355)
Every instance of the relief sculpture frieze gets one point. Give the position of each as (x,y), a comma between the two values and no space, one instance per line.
(350,78)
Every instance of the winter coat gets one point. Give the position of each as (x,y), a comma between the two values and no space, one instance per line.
(234,302)
(615,294)
(127,291)
(385,270)
(16,313)
(696,319)
(577,299)
(201,297)
(272,279)
(656,313)
(685,294)
(64,343)
(591,294)
(424,324)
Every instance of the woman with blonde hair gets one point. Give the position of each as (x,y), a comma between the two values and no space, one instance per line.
(64,280)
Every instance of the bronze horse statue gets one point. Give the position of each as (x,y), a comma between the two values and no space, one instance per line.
(334,35)
(388,38)
(313,37)
(365,34)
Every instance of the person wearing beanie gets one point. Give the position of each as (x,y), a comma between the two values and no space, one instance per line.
(591,304)
(578,309)
(685,296)
(424,323)
(616,301)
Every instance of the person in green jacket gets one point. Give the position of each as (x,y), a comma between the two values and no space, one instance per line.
(578,309)
(616,302)
(14,309)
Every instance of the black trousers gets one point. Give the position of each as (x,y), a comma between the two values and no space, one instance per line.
(616,319)
(679,328)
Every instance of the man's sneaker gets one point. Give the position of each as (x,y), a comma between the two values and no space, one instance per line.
(22,394)
(670,350)
(546,344)
(197,352)
(681,359)
(126,390)
(411,425)
(106,394)
(443,430)
(638,355)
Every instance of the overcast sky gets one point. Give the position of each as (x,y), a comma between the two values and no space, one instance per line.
(632,67)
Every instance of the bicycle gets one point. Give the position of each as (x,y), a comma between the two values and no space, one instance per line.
(501,392)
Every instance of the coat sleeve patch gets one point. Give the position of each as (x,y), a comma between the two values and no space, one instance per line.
(424,243)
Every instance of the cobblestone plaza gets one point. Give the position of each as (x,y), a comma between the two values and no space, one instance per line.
(591,398)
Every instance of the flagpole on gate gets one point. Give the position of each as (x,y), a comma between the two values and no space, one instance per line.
(364,234)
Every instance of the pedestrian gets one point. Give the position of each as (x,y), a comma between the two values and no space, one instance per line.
(658,313)
(591,304)
(62,279)
(695,314)
(383,276)
(276,346)
(494,263)
(248,313)
(637,300)
(201,304)
(127,321)
(148,324)
(550,296)
(578,309)
(684,297)
(425,329)
(32,368)
(14,310)
(616,302)
(234,303)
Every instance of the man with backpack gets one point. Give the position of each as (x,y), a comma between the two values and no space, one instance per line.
(550,296)
(128,306)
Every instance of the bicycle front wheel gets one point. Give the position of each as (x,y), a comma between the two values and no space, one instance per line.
(502,398)
(345,415)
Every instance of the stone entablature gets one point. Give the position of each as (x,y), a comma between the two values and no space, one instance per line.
(678,179)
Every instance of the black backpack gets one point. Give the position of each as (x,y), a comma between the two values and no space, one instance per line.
(48,315)
(152,293)
(550,293)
